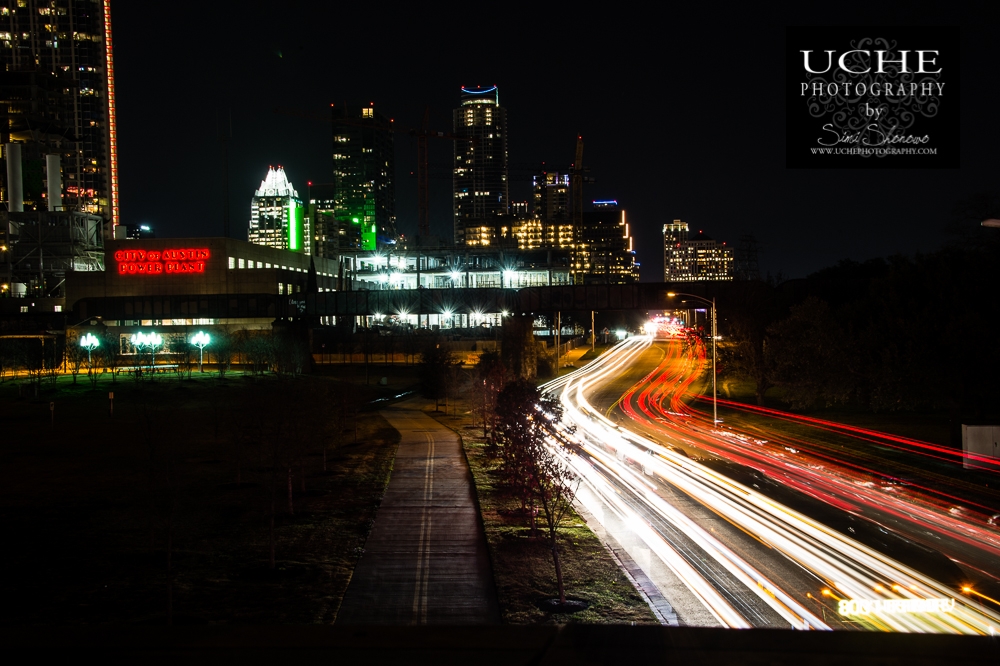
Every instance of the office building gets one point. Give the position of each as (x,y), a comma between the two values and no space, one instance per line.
(332,235)
(604,253)
(276,215)
(57,86)
(694,257)
(364,190)
(549,224)
(480,191)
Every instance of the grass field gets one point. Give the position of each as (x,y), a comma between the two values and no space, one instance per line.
(92,503)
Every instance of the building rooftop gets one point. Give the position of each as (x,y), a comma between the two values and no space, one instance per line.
(480,95)
(276,184)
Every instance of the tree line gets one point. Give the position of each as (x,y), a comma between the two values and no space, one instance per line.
(895,334)
(521,427)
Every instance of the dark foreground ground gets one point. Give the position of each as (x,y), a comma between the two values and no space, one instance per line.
(186,475)
(539,645)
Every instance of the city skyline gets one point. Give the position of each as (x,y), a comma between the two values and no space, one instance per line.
(714,158)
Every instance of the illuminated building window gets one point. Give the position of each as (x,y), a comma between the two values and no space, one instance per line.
(242,263)
(232,262)
(281,288)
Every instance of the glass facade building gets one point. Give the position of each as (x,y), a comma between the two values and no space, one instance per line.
(57,84)
(364,189)
(276,215)
(480,187)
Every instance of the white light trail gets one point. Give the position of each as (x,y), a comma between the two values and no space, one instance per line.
(852,570)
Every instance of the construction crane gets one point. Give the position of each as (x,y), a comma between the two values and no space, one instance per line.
(422,135)
(576,185)
(423,170)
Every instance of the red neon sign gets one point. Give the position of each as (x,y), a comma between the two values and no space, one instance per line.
(157,262)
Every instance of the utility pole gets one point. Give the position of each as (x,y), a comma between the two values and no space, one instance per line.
(558,336)
(715,394)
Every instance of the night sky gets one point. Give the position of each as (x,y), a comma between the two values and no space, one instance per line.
(680,120)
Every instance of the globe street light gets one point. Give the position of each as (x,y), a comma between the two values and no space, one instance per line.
(715,397)
(90,343)
(201,340)
(151,340)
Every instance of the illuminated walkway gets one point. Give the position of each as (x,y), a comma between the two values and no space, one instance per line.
(425,561)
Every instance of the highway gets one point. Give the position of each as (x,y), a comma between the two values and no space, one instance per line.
(750,560)
(857,483)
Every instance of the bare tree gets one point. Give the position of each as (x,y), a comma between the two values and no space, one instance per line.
(96,360)
(75,356)
(532,465)
(111,352)
(555,485)
(223,346)
(8,358)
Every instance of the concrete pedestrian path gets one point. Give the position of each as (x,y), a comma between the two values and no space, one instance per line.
(425,561)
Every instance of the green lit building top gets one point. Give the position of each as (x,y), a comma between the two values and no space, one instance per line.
(364,190)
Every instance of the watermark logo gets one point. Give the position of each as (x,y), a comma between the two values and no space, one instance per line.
(868,97)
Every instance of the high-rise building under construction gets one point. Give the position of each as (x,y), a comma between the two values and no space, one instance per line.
(57,91)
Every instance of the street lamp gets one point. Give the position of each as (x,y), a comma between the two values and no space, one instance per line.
(201,340)
(90,343)
(715,396)
(152,340)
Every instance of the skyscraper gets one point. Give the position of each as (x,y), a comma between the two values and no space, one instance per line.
(363,173)
(604,252)
(689,259)
(480,191)
(57,85)
(276,218)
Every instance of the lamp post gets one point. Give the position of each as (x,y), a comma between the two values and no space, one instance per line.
(152,340)
(89,342)
(715,397)
(201,340)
